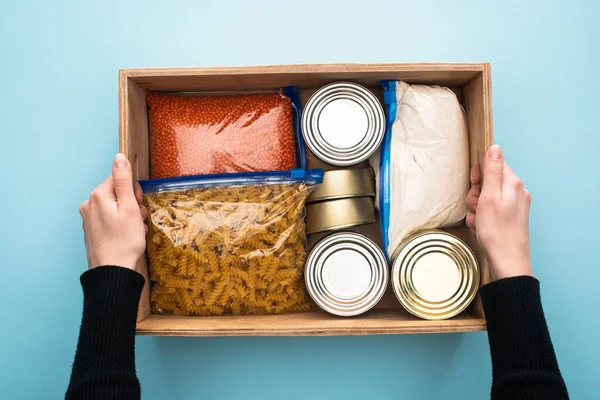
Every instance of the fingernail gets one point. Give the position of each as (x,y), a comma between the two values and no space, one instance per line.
(120,161)
(495,152)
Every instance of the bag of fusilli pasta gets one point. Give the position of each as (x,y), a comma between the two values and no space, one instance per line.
(228,244)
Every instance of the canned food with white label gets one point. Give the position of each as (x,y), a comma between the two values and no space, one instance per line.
(435,275)
(346,274)
(343,123)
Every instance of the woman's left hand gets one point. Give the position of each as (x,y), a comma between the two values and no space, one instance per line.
(113,219)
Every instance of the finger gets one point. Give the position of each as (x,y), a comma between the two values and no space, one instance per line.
(146,229)
(144,212)
(475,174)
(103,198)
(509,175)
(470,220)
(103,192)
(139,194)
(473,198)
(123,184)
(512,185)
(493,171)
(528,196)
(106,187)
(83,208)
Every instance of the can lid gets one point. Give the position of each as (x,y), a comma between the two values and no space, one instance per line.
(435,275)
(346,274)
(343,123)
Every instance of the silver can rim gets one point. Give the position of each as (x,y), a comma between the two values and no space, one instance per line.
(371,141)
(376,288)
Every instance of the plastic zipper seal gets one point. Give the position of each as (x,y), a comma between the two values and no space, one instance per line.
(389,98)
(296,175)
(292,93)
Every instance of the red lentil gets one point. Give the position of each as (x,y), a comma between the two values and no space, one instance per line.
(210,134)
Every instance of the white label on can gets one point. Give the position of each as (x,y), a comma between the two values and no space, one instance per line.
(436,277)
(343,123)
(346,274)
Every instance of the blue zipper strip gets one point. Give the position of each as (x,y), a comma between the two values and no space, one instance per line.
(292,93)
(296,175)
(391,105)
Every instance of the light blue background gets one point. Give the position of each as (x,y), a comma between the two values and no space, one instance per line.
(58,114)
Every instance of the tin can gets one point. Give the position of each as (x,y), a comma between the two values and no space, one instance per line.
(339,214)
(435,275)
(345,183)
(346,274)
(343,123)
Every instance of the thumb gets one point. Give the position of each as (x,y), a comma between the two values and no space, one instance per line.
(123,183)
(493,170)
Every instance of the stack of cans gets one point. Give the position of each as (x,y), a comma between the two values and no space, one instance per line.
(346,273)
(344,200)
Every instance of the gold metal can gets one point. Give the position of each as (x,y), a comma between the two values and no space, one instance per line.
(345,183)
(435,275)
(339,214)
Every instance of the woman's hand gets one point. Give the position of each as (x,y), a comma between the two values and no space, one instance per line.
(113,219)
(498,213)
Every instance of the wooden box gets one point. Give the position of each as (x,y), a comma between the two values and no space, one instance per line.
(472,84)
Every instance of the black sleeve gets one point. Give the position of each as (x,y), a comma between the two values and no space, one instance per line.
(104,366)
(524,365)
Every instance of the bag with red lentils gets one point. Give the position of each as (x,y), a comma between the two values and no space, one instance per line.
(194,134)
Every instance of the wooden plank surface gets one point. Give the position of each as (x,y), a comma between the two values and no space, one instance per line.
(375,322)
(304,76)
(354,68)
(477,100)
(134,143)
(134,140)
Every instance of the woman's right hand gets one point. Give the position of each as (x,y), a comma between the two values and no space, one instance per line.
(498,213)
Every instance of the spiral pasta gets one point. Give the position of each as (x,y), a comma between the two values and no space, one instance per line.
(228,250)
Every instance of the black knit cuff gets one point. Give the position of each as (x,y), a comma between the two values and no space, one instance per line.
(124,284)
(517,328)
(111,297)
(104,364)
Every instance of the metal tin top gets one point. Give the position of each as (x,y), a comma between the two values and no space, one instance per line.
(339,214)
(344,183)
(346,274)
(343,123)
(435,275)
